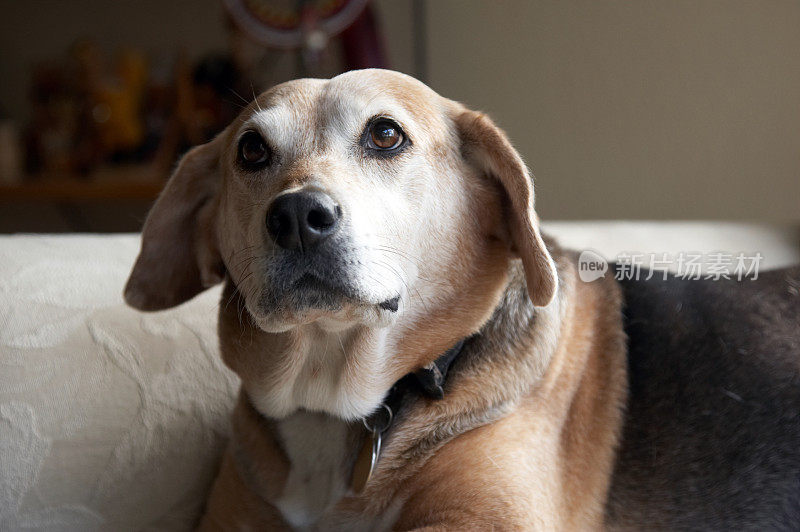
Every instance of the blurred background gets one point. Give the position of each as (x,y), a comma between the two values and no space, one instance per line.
(681,109)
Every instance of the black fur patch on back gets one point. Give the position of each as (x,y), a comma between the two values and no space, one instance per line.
(712,434)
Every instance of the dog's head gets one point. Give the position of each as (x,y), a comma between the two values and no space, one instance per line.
(365,199)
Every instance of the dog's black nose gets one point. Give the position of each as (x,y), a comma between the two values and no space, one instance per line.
(301,220)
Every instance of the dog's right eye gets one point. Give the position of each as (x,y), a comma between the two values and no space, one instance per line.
(253,151)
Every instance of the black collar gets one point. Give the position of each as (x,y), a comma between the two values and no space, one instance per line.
(427,381)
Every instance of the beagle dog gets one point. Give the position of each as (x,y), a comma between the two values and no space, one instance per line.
(413,354)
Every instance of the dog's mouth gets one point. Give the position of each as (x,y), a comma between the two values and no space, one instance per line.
(310,282)
(310,292)
(335,283)
(329,293)
(390,304)
(310,286)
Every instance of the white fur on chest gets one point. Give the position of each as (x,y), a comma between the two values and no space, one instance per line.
(317,448)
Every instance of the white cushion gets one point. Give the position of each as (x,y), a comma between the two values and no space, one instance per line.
(779,245)
(115,419)
(109,418)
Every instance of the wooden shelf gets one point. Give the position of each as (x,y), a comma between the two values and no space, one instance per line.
(106,184)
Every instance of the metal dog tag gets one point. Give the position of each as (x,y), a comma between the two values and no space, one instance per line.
(376,425)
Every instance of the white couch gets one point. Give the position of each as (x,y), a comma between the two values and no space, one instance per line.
(112,419)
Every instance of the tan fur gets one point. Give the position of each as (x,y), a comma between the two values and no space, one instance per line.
(525,435)
(528,444)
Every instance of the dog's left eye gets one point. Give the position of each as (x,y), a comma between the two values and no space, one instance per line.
(385,135)
(253,151)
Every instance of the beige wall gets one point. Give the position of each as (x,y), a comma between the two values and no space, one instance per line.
(636,109)
(623,109)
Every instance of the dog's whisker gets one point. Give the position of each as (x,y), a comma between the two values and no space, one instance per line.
(234,103)
(395,272)
(255,98)
(339,337)
(246,277)
(377,281)
(405,255)
(250,259)
(419,275)
(397,252)
(240,309)
(408,288)
(233,294)
(246,248)
(232,91)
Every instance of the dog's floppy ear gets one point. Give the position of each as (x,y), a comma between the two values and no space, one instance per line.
(487,147)
(179,256)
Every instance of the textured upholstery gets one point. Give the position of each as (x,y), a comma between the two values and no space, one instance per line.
(109,418)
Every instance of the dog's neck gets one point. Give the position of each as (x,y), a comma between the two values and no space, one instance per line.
(344,373)
(347,374)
